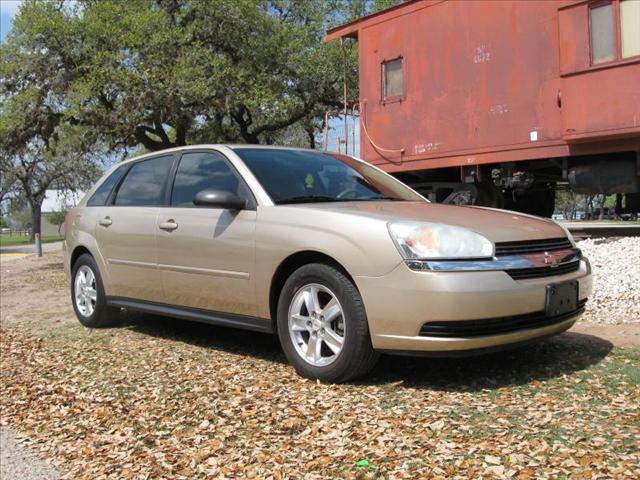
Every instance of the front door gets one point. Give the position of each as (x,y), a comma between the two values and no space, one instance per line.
(206,255)
(126,231)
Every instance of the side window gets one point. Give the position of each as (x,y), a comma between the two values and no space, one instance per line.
(204,171)
(392,78)
(102,193)
(614,30)
(603,42)
(143,185)
(630,27)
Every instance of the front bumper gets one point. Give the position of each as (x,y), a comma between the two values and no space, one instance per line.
(401,302)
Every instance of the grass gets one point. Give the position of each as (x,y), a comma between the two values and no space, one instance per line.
(15,240)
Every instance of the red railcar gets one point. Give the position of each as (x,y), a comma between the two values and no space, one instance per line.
(497,102)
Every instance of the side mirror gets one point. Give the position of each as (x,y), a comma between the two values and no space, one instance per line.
(219,199)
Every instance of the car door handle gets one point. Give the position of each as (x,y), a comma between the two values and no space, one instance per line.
(168,225)
(105,222)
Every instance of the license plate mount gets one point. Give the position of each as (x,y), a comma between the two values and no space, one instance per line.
(561,298)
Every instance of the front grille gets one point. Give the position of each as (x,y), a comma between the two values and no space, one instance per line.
(494,326)
(532,246)
(539,272)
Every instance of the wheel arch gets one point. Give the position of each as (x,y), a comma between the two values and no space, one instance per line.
(290,265)
(77,252)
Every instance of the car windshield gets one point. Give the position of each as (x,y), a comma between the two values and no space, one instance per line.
(301,176)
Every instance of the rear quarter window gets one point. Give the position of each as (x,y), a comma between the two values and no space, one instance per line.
(101,195)
(144,183)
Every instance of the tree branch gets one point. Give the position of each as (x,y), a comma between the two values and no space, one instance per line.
(271,127)
(159,131)
(148,143)
(243,124)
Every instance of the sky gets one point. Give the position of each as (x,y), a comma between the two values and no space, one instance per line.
(336,131)
(8,9)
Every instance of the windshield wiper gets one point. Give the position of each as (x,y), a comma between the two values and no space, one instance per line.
(393,199)
(326,198)
(370,199)
(309,199)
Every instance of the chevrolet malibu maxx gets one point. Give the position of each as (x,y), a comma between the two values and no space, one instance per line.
(339,259)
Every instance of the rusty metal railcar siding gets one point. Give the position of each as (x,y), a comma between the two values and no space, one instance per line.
(491,81)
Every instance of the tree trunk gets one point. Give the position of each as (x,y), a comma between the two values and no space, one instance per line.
(618,209)
(589,213)
(36,216)
(603,199)
(312,137)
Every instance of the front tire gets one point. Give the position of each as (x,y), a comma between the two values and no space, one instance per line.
(87,294)
(322,325)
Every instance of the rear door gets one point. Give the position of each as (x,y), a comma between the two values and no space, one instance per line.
(206,255)
(127,226)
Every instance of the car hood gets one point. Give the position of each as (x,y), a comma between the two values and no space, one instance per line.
(496,225)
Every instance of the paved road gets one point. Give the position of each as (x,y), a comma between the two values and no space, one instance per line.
(30,249)
(20,463)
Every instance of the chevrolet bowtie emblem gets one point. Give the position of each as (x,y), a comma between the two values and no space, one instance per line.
(550,260)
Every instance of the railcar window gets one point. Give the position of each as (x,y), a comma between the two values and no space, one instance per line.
(630,27)
(392,78)
(603,43)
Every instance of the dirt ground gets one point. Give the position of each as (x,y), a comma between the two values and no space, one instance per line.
(34,292)
(161,398)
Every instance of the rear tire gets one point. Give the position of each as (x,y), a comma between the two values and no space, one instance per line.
(87,294)
(319,305)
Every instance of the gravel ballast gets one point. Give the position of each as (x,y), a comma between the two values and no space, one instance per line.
(616,275)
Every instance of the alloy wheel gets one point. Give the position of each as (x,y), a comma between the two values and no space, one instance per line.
(85,291)
(316,324)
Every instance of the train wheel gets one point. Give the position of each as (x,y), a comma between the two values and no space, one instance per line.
(539,200)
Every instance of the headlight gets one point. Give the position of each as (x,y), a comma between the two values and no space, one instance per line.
(423,241)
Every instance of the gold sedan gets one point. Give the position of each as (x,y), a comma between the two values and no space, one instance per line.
(338,258)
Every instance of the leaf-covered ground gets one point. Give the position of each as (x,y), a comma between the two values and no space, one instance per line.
(157,397)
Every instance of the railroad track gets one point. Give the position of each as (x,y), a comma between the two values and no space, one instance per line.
(597,230)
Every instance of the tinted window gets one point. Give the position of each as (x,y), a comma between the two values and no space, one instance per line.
(144,183)
(102,193)
(204,171)
(299,176)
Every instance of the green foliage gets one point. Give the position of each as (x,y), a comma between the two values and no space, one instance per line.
(57,218)
(7,240)
(8,185)
(569,203)
(84,79)
(161,73)
(21,217)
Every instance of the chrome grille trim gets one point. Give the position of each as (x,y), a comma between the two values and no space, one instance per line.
(538,272)
(532,246)
(518,266)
